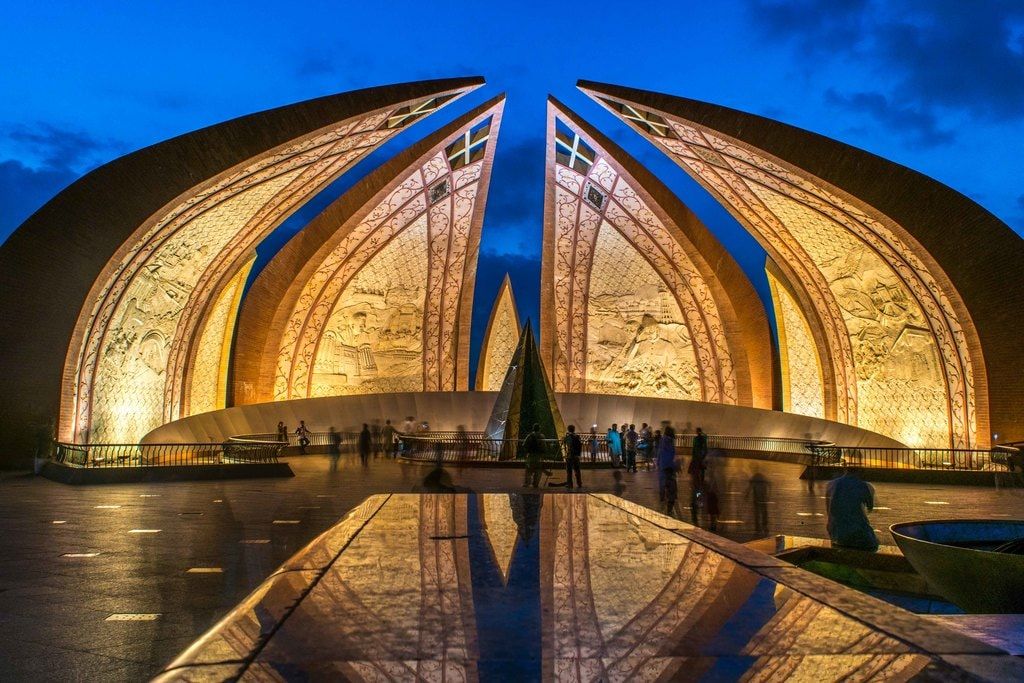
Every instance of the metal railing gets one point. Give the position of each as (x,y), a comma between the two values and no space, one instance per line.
(231,452)
(475,447)
(958,459)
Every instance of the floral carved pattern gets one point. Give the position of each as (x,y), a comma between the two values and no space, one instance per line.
(892,332)
(140,335)
(618,350)
(434,201)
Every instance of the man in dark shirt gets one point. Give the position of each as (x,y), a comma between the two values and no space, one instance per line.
(573,451)
(533,450)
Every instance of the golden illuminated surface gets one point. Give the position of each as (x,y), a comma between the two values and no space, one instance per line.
(595,589)
(208,389)
(500,340)
(803,390)
(381,312)
(632,314)
(900,362)
(637,339)
(137,340)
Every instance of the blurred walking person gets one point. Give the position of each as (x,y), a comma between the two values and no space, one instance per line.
(302,432)
(631,442)
(533,450)
(365,444)
(614,445)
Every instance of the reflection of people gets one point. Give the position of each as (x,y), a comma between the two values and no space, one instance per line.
(758,490)
(573,450)
(302,432)
(533,449)
(849,499)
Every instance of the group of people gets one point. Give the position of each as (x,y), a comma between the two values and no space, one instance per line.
(373,438)
(625,444)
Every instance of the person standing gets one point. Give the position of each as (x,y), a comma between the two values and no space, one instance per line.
(848,500)
(302,432)
(365,444)
(573,451)
(666,460)
(667,466)
(622,442)
(533,450)
(644,446)
(614,445)
(387,434)
(700,450)
(631,442)
(282,432)
(593,443)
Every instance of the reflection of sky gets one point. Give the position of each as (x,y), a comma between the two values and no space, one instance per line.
(924,84)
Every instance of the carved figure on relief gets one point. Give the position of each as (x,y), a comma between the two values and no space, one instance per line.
(639,345)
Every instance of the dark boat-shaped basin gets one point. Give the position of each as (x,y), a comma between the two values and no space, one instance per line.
(967,562)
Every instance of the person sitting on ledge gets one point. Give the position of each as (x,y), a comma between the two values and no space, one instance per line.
(848,500)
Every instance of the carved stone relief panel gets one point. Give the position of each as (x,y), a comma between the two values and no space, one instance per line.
(500,344)
(373,339)
(210,366)
(131,366)
(587,189)
(903,357)
(638,341)
(435,201)
(803,389)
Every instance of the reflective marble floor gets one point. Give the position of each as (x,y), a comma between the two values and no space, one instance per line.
(520,586)
(110,583)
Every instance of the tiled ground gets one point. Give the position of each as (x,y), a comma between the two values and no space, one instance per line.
(54,609)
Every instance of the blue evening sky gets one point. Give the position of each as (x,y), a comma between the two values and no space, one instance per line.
(936,85)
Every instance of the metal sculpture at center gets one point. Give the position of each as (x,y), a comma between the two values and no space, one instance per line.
(525,399)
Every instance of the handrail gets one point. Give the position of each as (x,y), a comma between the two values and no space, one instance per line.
(998,458)
(230,452)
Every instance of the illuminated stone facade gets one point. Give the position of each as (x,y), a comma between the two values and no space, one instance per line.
(803,390)
(209,369)
(375,294)
(500,340)
(628,304)
(899,360)
(138,338)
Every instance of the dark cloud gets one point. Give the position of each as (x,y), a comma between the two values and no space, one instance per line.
(491,268)
(932,53)
(314,66)
(518,183)
(919,127)
(57,155)
(23,190)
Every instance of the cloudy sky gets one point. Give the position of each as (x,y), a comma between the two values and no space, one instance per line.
(936,85)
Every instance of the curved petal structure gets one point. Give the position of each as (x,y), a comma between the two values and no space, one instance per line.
(375,294)
(898,276)
(500,340)
(630,301)
(117,276)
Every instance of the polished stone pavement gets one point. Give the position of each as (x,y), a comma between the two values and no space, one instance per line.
(55,609)
(568,587)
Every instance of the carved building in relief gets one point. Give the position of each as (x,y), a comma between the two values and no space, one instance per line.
(500,340)
(375,294)
(907,330)
(169,229)
(803,389)
(630,303)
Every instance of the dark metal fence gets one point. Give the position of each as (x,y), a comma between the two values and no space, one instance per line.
(475,447)
(968,460)
(230,452)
